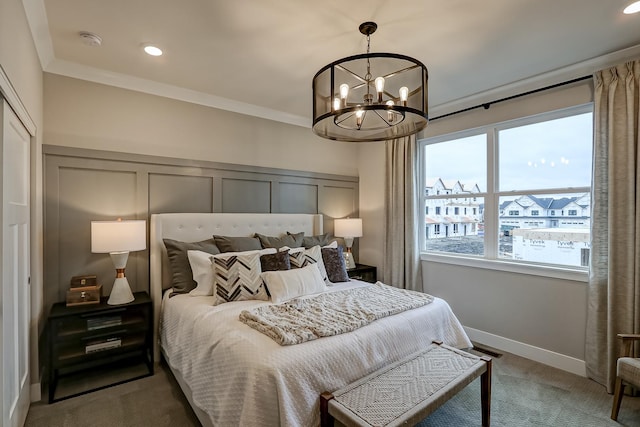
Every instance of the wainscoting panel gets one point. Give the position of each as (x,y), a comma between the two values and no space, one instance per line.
(246,196)
(82,185)
(180,193)
(299,198)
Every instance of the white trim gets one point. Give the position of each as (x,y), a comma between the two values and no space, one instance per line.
(9,93)
(37,18)
(124,81)
(39,25)
(537,354)
(559,75)
(36,392)
(579,275)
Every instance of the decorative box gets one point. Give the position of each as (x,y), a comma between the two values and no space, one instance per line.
(84,295)
(82,281)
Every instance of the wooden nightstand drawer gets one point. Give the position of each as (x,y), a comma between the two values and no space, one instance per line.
(90,339)
(366,273)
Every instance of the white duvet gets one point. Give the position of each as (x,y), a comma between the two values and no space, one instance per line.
(239,376)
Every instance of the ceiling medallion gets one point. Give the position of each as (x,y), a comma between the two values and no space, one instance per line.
(370,97)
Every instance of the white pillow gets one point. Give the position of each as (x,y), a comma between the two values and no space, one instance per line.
(237,276)
(201,266)
(301,257)
(286,284)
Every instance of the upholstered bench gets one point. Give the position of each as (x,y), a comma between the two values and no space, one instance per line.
(405,392)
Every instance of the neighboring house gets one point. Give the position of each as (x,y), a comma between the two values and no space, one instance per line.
(535,212)
(452,217)
(464,216)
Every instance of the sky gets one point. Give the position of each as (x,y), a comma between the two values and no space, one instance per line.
(551,154)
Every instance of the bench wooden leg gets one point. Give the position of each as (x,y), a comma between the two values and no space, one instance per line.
(326,420)
(485,393)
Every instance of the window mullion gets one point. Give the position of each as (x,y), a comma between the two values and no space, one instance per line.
(491,200)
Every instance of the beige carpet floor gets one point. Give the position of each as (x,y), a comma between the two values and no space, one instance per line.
(525,393)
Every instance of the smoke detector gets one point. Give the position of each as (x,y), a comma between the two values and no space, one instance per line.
(90,39)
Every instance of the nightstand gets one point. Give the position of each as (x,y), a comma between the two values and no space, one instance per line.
(92,347)
(366,273)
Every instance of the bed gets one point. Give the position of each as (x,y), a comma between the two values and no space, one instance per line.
(235,375)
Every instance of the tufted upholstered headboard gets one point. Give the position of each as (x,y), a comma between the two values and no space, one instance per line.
(193,227)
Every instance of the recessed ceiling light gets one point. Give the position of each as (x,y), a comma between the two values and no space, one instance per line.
(632,8)
(152,50)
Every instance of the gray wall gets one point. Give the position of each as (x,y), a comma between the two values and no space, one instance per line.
(82,185)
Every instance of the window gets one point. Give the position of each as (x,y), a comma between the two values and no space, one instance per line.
(504,174)
(437,210)
(426,210)
(456,211)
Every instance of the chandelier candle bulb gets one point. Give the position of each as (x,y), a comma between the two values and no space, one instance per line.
(344,92)
(359,115)
(336,104)
(390,115)
(379,87)
(404,95)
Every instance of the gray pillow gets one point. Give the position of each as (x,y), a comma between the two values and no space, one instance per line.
(290,240)
(181,274)
(237,244)
(319,240)
(334,264)
(275,262)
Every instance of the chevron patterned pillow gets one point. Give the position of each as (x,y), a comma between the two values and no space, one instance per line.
(237,277)
(301,257)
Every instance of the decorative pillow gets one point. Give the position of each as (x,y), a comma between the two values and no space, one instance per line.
(334,264)
(275,262)
(181,274)
(301,257)
(290,240)
(202,266)
(237,244)
(238,278)
(284,285)
(319,240)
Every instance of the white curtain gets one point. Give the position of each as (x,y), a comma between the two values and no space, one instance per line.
(614,279)
(401,251)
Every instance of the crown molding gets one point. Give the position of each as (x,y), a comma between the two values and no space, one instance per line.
(125,81)
(559,75)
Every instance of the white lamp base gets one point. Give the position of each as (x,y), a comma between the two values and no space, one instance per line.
(121,292)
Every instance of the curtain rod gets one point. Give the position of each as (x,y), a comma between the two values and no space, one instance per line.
(486,105)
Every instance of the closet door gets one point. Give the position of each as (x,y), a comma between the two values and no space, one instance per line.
(15,295)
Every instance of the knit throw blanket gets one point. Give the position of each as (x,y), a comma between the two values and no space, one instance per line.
(331,313)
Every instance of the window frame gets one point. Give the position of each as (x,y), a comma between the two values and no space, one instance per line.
(490,259)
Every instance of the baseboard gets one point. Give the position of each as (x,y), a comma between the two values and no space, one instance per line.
(36,392)
(537,354)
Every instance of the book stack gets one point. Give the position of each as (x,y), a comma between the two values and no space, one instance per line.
(103,345)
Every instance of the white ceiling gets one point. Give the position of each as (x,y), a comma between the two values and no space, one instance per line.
(258,57)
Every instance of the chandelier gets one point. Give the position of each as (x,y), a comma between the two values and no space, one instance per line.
(370,97)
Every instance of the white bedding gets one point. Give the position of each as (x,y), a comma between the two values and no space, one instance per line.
(239,376)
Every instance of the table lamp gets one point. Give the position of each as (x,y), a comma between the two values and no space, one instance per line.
(118,238)
(348,229)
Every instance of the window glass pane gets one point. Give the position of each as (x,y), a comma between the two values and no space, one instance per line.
(455,225)
(458,165)
(545,155)
(550,229)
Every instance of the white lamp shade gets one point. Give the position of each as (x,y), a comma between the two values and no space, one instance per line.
(348,227)
(118,236)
